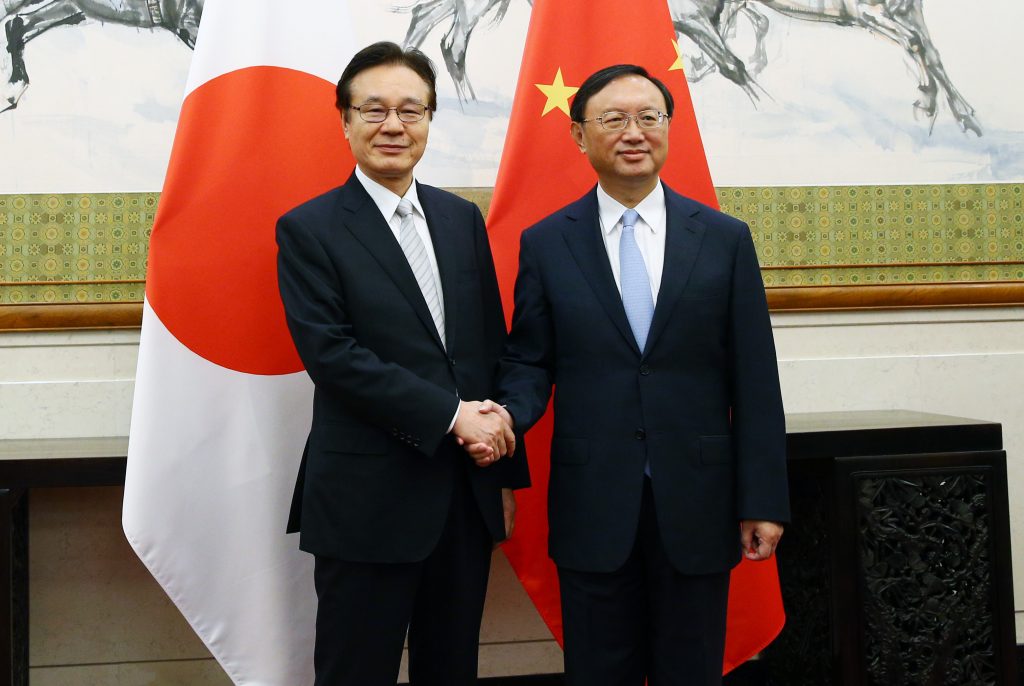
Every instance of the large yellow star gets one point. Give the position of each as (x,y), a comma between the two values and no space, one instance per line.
(678,64)
(557,94)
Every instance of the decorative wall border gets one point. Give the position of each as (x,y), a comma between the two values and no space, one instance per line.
(780,299)
(80,258)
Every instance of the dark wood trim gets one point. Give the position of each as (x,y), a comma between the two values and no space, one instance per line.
(108,282)
(60,317)
(63,472)
(531,680)
(887,265)
(14,586)
(878,297)
(780,299)
(833,435)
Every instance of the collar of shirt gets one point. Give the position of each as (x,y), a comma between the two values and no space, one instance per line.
(385,199)
(651,210)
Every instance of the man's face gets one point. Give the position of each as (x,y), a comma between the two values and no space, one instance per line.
(632,156)
(388,151)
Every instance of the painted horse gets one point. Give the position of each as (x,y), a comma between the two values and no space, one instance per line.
(25,20)
(464,16)
(710,24)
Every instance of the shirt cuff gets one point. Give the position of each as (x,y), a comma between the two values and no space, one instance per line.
(454,417)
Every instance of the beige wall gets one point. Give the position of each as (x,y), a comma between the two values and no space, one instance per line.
(98,618)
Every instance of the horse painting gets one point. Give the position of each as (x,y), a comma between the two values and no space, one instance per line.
(464,15)
(711,24)
(25,20)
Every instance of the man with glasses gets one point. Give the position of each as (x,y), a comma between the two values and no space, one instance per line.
(646,310)
(391,298)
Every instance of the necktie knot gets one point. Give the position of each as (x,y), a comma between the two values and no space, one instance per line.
(404,208)
(629,219)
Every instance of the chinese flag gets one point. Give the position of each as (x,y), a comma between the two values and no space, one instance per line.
(541,171)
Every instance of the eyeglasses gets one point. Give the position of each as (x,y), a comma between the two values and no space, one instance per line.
(375,113)
(616,121)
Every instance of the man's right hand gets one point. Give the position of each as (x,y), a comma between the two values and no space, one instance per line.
(483,432)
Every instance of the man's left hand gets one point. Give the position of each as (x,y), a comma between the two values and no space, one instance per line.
(759,539)
(508,507)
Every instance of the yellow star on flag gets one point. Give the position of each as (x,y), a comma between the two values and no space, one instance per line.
(557,94)
(678,64)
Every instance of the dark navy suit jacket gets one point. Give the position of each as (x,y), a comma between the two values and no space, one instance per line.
(701,402)
(378,471)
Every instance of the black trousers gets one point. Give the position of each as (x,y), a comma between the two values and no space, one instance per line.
(644,620)
(364,609)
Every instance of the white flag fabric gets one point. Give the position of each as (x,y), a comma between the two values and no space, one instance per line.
(222,406)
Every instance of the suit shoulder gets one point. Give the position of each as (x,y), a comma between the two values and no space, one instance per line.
(438,195)
(705,213)
(555,222)
(315,207)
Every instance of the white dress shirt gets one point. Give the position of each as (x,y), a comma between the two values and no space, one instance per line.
(387,201)
(649,233)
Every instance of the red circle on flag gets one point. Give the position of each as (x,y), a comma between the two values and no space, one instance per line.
(251,144)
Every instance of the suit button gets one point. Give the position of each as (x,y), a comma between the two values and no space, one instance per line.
(451,361)
(644,370)
(640,434)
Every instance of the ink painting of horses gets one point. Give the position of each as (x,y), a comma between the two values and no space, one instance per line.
(787,92)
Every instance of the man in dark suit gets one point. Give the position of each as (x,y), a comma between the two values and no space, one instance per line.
(647,312)
(391,298)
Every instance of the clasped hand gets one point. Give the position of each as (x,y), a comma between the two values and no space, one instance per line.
(484,429)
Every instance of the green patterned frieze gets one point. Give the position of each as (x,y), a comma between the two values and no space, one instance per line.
(66,248)
(91,248)
(850,235)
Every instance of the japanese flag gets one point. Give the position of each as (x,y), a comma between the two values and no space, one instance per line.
(222,406)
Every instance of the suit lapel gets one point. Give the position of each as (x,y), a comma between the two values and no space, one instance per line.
(683,237)
(439,224)
(363,219)
(582,233)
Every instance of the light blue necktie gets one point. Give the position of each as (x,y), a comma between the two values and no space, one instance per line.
(636,286)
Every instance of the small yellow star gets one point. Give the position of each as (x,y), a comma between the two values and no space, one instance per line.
(557,94)
(678,64)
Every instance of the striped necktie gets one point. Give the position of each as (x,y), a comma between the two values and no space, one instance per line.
(416,253)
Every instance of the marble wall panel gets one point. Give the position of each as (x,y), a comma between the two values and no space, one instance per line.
(170,673)
(967,362)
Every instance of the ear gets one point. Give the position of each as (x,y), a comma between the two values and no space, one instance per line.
(576,130)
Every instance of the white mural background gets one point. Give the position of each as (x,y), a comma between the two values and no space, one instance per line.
(837,104)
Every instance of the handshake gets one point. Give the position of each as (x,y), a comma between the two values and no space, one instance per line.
(484,429)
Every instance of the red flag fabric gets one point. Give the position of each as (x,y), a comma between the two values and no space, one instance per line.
(541,171)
